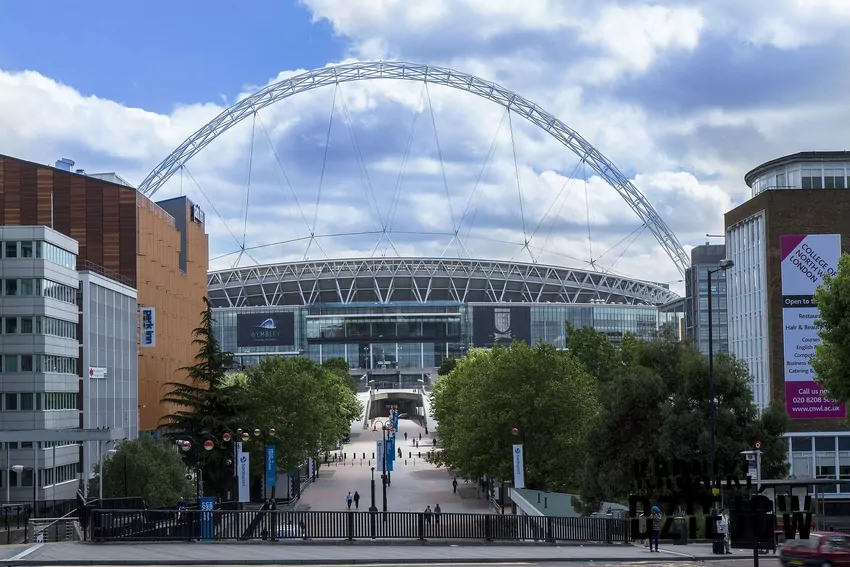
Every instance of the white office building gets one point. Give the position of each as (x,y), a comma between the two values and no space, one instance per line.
(39,374)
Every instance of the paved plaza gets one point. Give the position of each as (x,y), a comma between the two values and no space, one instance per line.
(415,483)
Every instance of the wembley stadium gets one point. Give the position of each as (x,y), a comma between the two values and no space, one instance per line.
(396,317)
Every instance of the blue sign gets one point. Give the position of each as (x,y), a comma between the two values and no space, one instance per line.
(271,465)
(207,520)
(391,448)
(395,421)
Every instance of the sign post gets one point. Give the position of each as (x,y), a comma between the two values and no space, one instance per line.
(207,522)
(519,466)
(244,480)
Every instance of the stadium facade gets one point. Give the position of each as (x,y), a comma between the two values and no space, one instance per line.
(396,319)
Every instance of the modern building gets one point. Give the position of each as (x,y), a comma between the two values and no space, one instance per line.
(705,258)
(396,320)
(39,376)
(109,335)
(160,250)
(782,241)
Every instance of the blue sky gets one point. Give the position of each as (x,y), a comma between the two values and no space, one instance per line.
(684,97)
(157,53)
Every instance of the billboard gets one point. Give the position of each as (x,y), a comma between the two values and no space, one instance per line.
(805,260)
(265,329)
(500,324)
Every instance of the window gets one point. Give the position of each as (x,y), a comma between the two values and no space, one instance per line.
(60,401)
(11,401)
(26,363)
(10,363)
(26,325)
(27,402)
(28,287)
(26,250)
(11,249)
(11,287)
(11,325)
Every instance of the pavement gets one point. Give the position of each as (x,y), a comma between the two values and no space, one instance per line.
(414,483)
(292,553)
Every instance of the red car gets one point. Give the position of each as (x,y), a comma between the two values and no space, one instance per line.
(821,549)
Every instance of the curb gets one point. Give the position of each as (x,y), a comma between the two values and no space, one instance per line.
(282,562)
(367,543)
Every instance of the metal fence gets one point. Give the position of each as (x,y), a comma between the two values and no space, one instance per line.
(224,525)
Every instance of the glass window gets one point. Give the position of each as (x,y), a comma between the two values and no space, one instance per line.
(27,402)
(11,250)
(11,401)
(10,363)
(824,443)
(38,249)
(801,443)
(11,287)
(26,249)
(26,362)
(26,325)
(27,287)
(11,325)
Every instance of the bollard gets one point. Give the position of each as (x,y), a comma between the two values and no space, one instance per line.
(420,454)
(409,455)
(373,455)
(364,456)
(405,462)
(369,463)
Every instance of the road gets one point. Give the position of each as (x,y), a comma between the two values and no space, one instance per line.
(730,563)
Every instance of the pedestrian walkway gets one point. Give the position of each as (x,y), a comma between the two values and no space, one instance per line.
(414,483)
(258,553)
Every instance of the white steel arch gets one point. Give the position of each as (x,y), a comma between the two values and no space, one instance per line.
(364,71)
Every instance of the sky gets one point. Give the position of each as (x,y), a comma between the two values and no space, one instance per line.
(682,96)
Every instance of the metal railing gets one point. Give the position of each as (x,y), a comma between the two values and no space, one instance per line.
(222,525)
(89,266)
(48,530)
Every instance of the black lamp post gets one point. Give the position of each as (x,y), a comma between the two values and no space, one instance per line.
(385,428)
(712,395)
(19,469)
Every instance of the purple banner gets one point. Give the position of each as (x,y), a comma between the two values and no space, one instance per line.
(807,400)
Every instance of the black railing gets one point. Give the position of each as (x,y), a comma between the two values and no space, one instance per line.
(223,525)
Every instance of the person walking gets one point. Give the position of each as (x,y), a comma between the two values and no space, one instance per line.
(437,513)
(349,499)
(356,500)
(656,528)
(454,485)
(723,528)
(405,435)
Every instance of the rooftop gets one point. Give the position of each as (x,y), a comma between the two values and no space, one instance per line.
(795,158)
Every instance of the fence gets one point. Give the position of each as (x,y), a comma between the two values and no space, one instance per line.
(220,525)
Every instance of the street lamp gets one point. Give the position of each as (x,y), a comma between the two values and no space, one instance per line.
(521,432)
(18,470)
(112,453)
(386,427)
(724,265)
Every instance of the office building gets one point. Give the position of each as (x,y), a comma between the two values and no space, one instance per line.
(162,254)
(39,374)
(782,241)
(705,258)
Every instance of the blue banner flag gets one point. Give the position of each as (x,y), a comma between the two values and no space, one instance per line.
(390,454)
(395,421)
(207,521)
(271,465)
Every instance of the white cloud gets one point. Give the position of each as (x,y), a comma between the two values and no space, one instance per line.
(580,60)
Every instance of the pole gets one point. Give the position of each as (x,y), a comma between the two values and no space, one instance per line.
(384,474)
(373,508)
(35,493)
(125,474)
(712,407)
(54,473)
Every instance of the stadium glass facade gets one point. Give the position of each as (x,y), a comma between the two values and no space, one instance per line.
(407,343)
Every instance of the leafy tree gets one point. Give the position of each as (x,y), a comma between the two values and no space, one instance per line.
(339,366)
(545,393)
(831,362)
(657,408)
(308,405)
(447,366)
(147,468)
(205,406)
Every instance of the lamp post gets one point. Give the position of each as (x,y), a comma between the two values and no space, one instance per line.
(386,426)
(712,395)
(18,470)
(722,267)
(113,452)
(263,436)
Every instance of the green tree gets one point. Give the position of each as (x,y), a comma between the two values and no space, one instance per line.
(447,366)
(831,361)
(339,366)
(544,393)
(657,408)
(308,405)
(205,406)
(150,469)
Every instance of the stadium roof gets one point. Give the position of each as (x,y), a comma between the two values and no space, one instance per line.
(423,280)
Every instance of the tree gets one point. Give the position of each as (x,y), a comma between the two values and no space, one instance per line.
(656,408)
(308,405)
(831,361)
(206,406)
(147,468)
(544,393)
(339,366)
(447,366)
